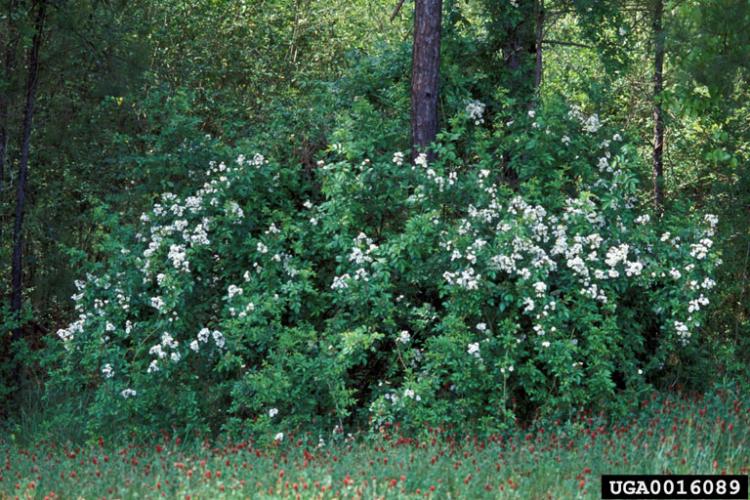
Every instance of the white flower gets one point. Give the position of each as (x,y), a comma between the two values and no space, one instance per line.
(235,210)
(194,346)
(340,282)
(175,356)
(474,350)
(204,334)
(153,367)
(540,287)
(682,329)
(107,371)
(475,110)
(617,254)
(168,341)
(279,437)
(218,338)
(712,220)
(532,113)
(633,268)
(262,248)
(700,250)
(565,140)
(157,303)
(528,305)
(273,412)
(592,124)
(157,351)
(127,393)
(233,290)
(482,327)
(398,158)
(178,257)
(603,164)
(408,393)
(708,283)
(404,337)
(545,344)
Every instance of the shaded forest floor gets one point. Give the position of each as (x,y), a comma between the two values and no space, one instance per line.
(670,434)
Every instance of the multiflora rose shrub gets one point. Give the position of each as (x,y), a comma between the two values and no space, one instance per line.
(400,291)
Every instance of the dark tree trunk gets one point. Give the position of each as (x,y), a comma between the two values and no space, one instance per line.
(539,68)
(425,74)
(658,153)
(23,167)
(521,52)
(9,64)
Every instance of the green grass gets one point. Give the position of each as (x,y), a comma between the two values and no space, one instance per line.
(669,435)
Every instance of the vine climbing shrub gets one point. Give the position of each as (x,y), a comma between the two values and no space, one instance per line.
(400,291)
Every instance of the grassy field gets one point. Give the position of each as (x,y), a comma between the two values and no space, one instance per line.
(669,435)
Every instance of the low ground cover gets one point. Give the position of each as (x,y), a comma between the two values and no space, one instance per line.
(670,434)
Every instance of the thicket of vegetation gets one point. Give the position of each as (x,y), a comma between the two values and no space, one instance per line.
(289,216)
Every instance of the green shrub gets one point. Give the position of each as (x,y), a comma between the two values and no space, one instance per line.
(404,292)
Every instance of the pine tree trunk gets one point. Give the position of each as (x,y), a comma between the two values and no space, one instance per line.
(538,68)
(425,74)
(658,153)
(23,168)
(9,64)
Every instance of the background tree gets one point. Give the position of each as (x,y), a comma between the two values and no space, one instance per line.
(425,73)
(32,82)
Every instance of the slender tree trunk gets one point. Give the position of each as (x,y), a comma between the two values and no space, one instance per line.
(539,68)
(9,64)
(23,168)
(425,74)
(521,51)
(658,153)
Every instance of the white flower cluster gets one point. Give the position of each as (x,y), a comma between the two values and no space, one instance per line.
(467,279)
(532,246)
(108,371)
(361,256)
(475,110)
(160,350)
(473,350)
(398,158)
(590,124)
(234,210)
(700,250)
(128,393)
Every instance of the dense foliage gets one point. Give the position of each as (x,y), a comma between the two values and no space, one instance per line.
(405,293)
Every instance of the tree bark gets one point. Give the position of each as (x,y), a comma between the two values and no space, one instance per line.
(539,68)
(425,74)
(23,167)
(9,64)
(658,153)
(520,51)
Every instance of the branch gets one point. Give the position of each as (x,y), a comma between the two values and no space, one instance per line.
(396,10)
(570,44)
